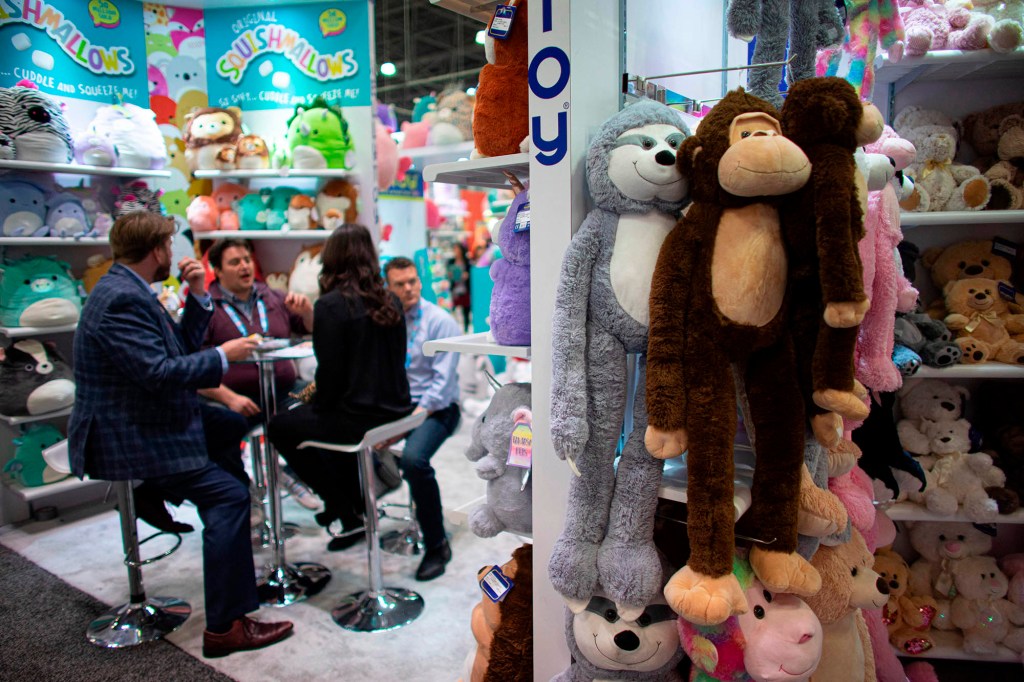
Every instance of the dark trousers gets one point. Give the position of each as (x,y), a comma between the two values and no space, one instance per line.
(225,430)
(420,446)
(229,579)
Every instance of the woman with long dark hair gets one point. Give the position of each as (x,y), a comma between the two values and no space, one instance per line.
(360,347)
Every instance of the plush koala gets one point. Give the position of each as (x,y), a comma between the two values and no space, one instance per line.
(980,608)
(935,401)
(982,320)
(941,544)
(34,379)
(509,500)
(184,73)
(907,617)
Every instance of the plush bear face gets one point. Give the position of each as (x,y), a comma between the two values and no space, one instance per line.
(946,540)
(946,437)
(979,578)
(1011,138)
(964,260)
(611,643)
(933,143)
(848,580)
(212,125)
(893,569)
(976,295)
(183,74)
(934,400)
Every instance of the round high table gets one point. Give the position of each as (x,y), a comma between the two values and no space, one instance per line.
(281,583)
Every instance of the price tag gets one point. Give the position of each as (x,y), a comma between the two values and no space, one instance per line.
(495,584)
(522,218)
(520,448)
(501,22)
(1004,247)
(1008,292)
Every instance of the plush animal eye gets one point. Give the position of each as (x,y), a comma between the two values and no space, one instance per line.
(674,140)
(53,277)
(745,134)
(942,537)
(853,571)
(647,143)
(12,200)
(883,574)
(767,596)
(644,620)
(985,263)
(759,612)
(961,538)
(39,114)
(27,282)
(610,615)
(961,265)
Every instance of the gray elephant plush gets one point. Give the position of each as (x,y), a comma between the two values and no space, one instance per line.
(509,503)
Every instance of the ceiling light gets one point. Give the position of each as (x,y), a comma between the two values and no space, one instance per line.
(480,36)
(470,91)
(388,69)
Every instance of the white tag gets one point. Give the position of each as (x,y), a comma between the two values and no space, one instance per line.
(522,218)
(495,584)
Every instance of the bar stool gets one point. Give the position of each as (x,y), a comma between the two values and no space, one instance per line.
(142,619)
(407,540)
(378,608)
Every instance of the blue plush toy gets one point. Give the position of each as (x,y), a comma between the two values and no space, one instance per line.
(253,210)
(65,216)
(510,299)
(38,291)
(28,465)
(22,209)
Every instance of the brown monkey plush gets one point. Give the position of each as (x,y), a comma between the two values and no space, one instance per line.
(718,306)
(823,222)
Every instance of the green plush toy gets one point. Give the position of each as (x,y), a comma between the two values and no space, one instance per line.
(253,210)
(28,465)
(38,291)
(318,137)
(277,215)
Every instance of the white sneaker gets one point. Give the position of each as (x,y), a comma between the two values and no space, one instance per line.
(299,492)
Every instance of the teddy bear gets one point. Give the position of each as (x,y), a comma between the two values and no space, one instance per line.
(1008,32)
(940,545)
(982,320)
(1006,176)
(941,184)
(981,131)
(907,617)
(497,434)
(933,25)
(211,136)
(501,117)
(981,610)
(510,298)
(962,260)
(934,401)
(1012,566)
(848,584)
(454,122)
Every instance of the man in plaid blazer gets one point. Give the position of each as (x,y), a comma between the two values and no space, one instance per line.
(136,415)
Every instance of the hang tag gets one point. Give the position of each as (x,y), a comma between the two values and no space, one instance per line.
(495,584)
(1008,292)
(522,218)
(520,448)
(1004,247)
(501,23)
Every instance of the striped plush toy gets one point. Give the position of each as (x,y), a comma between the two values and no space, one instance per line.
(870,23)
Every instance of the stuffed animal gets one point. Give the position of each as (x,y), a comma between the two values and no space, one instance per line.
(848,584)
(964,260)
(305,274)
(301,212)
(341,195)
(941,184)
(1012,566)
(501,117)
(279,205)
(253,210)
(981,318)
(962,479)
(980,608)
(94,149)
(278,281)
(136,196)
(225,196)
(22,209)
(907,617)
(97,265)
(496,437)
(780,634)
(34,379)
(133,133)
(882,454)
(909,333)
(1008,32)
(65,216)
(454,121)
(211,137)
(1006,176)
(37,291)
(34,125)
(389,166)
(933,25)
(319,137)
(251,153)
(28,465)
(601,315)
(415,134)
(510,299)
(203,214)
(941,544)
(934,401)
(870,23)
(981,131)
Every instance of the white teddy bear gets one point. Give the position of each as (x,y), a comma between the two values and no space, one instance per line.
(935,401)
(941,544)
(1008,33)
(981,610)
(941,184)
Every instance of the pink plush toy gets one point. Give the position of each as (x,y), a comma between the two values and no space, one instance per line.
(225,196)
(202,214)
(930,25)
(389,166)
(415,134)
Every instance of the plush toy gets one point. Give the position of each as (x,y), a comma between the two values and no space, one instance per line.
(510,299)
(848,584)
(930,338)
(907,617)
(454,121)
(251,153)
(278,207)
(716,300)
(981,318)
(941,544)
(934,401)
(415,134)
(203,214)
(504,629)
(341,195)
(65,216)
(981,131)
(301,213)
(1012,566)
(136,196)
(211,136)
(1008,32)
(28,465)
(779,638)
(133,133)
(34,125)
(870,23)
(882,455)
(94,149)
(389,166)
(253,210)
(501,117)
(509,486)
(319,137)
(97,265)
(601,315)
(225,196)
(305,274)
(6,147)
(980,608)
(37,291)
(22,209)
(932,25)
(941,184)
(1006,176)
(34,379)
(964,260)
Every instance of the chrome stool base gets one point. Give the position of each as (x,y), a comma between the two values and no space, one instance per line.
(261,533)
(405,542)
(134,623)
(292,583)
(389,609)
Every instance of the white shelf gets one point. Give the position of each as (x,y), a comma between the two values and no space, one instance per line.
(273,173)
(480,172)
(473,344)
(422,156)
(78,169)
(15,421)
(949,646)
(988,370)
(961,218)
(949,65)
(289,235)
(673,486)
(460,517)
(39,492)
(54,241)
(911,511)
(479,10)
(19,332)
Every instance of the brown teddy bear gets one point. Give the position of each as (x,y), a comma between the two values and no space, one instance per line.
(1007,174)
(908,618)
(983,322)
(981,130)
(972,258)
(501,118)
(211,135)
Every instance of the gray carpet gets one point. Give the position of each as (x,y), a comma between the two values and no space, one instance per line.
(42,635)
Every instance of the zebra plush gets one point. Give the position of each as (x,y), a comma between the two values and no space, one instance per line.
(33,126)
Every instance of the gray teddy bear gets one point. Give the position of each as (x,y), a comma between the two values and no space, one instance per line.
(509,504)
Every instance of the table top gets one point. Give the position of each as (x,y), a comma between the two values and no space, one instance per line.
(276,350)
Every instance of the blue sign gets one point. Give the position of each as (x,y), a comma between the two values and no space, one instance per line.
(73,48)
(283,56)
(409,187)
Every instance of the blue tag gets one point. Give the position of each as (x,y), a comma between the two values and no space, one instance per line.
(1008,292)
(501,22)
(522,218)
(1004,247)
(495,584)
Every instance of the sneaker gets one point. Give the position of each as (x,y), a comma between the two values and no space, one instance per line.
(299,492)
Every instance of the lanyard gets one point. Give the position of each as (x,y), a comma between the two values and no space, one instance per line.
(410,343)
(260,308)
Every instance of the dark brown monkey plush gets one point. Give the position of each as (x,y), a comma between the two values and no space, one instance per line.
(718,303)
(823,222)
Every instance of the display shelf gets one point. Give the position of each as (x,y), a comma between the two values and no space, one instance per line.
(673,485)
(15,421)
(20,332)
(291,235)
(423,156)
(273,173)
(989,370)
(949,646)
(480,172)
(54,241)
(911,511)
(460,516)
(948,65)
(78,169)
(42,491)
(961,218)
(479,10)
(474,344)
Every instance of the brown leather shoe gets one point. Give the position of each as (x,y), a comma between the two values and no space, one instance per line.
(245,634)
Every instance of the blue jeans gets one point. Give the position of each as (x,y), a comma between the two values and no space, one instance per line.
(420,446)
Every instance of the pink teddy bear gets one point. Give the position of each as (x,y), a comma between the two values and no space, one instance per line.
(934,25)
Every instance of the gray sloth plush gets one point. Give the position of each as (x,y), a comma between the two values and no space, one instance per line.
(509,504)
(601,315)
(34,379)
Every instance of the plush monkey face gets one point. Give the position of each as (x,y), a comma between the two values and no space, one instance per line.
(642,165)
(759,161)
(611,643)
(871,125)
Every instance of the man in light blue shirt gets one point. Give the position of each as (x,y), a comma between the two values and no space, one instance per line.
(434,387)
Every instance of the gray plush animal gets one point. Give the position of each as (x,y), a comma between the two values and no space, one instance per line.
(601,315)
(509,505)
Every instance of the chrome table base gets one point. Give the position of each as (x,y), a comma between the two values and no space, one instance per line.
(130,624)
(388,609)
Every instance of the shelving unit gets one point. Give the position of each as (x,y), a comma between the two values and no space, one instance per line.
(964,218)
(30,495)
(480,172)
(273,173)
(478,10)
(474,344)
(911,511)
(288,235)
(423,156)
(948,65)
(990,370)
(460,516)
(949,646)
(20,332)
(28,419)
(78,169)
(54,241)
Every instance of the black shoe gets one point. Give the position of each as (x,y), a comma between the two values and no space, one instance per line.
(345,541)
(434,561)
(150,507)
